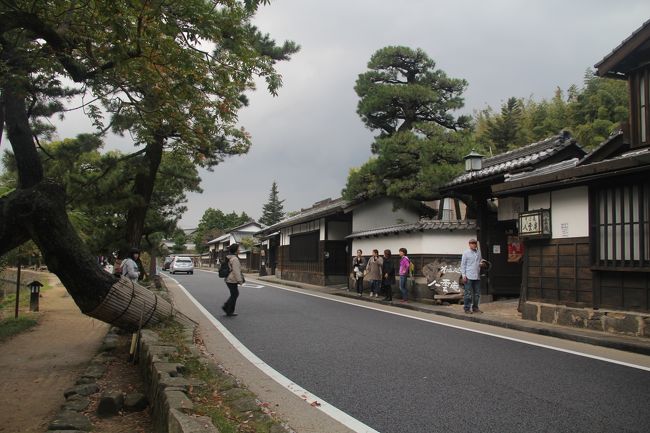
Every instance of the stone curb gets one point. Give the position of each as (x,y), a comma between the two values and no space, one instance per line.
(72,418)
(170,392)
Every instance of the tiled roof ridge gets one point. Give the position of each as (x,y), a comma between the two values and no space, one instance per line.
(529,149)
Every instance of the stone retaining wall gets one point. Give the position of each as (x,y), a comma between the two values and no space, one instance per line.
(168,389)
(616,322)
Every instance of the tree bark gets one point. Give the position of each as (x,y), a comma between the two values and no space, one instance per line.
(145,180)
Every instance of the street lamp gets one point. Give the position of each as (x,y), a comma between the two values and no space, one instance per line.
(473,161)
(34,290)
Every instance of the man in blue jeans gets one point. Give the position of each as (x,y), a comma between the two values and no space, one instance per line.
(470,269)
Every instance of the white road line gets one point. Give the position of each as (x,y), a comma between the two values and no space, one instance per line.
(313,400)
(545,346)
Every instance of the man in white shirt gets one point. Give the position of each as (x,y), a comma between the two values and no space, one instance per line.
(470,269)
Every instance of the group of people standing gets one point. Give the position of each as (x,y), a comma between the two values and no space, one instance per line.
(380,271)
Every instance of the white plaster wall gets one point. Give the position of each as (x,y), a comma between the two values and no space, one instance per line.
(429,242)
(570,213)
(539,201)
(380,213)
(509,208)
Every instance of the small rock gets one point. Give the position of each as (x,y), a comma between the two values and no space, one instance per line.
(109,344)
(69,420)
(87,389)
(76,403)
(110,404)
(84,381)
(135,402)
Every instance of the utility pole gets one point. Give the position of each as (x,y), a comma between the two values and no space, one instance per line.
(17,289)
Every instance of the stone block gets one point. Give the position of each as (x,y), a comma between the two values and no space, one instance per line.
(85,381)
(70,420)
(175,399)
(77,403)
(109,344)
(85,390)
(168,368)
(571,317)
(182,423)
(110,404)
(529,311)
(547,314)
(622,323)
(95,371)
(173,382)
(135,402)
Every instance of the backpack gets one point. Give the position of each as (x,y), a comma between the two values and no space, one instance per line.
(411,267)
(224,268)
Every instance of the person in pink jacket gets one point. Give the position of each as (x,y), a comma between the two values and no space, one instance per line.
(404,269)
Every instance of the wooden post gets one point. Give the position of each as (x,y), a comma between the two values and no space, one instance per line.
(17,290)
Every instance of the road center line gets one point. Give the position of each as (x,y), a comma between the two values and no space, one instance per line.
(311,399)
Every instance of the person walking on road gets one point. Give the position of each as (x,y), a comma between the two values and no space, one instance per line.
(130,267)
(234,278)
(359,266)
(388,273)
(374,273)
(470,269)
(404,270)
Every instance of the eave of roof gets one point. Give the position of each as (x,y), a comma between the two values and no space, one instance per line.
(329,208)
(611,65)
(514,160)
(422,225)
(628,163)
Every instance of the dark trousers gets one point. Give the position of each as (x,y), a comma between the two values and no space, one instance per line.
(229,306)
(360,285)
(387,288)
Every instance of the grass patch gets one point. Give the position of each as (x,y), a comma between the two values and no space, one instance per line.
(8,303)
(11,327)
(207,400)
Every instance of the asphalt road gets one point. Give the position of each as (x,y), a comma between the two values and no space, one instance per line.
(397,374)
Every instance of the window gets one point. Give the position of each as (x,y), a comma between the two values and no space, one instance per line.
(643,109)
(304,247)
(640,116)
(623,230)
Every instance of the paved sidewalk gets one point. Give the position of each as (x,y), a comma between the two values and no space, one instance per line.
(500,313)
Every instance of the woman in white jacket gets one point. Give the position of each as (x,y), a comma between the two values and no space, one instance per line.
(130,267)
(234,278)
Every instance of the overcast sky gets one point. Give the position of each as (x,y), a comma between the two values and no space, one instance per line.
(309,136)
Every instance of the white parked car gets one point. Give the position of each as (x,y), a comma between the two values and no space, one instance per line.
(182,264)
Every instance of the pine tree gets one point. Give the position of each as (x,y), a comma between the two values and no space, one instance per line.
(273,211)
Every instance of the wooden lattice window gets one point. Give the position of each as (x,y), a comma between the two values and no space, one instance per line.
(303,247)
(622,226)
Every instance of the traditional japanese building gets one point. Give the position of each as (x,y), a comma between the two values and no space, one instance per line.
(310,246)
(586,222)
(496,219)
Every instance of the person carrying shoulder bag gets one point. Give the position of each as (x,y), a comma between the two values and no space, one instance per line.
(233,280)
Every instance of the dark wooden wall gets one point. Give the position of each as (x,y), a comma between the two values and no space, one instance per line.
(622,290)
(306,272)
(559,271)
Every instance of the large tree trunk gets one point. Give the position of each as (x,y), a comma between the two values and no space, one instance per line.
(37,210)
(145,180)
